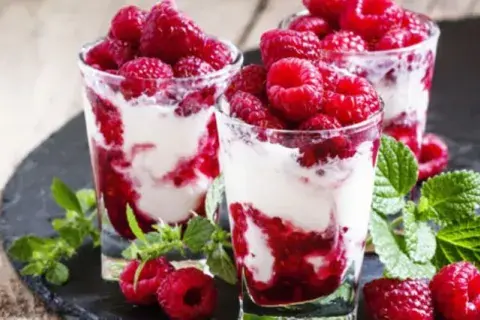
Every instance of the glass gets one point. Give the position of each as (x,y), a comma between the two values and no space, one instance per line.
(156,153)
(402,77)
(299,207)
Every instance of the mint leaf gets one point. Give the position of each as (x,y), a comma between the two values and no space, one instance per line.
(395,176)
(58,274)
(247,316)
(450,197)
(198,233)
(419,236)
(64,196)
(397,264)
(214,197)
(87,198)
(137,274)
(221,265)
(73,236)
(131,252)
(133,224)
(33,269)
(23,249)
(460,242)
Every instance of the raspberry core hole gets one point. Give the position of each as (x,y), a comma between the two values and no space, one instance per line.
(193,297)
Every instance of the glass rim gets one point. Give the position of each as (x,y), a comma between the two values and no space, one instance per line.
(350,129)
(433,37)
(232,67)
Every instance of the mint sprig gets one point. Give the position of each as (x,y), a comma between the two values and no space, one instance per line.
(448,200)
(44,256)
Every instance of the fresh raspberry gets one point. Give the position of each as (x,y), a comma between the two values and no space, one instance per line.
(320,122)
(169,35)
(250,109)
(188,294)
(412,21)
(400,38)
(344,41)
(433,156)
(371,19)
(313,24)
(456,292)
(392,299)
(353,100)
(191,67)
(120,51)
(406,132)
(152,274)
(127,24)
(294,88)
(330,76)
(329,9)
(278,44)
(250,79)
(196,101)
(110,54)
(143,75)
(214,52)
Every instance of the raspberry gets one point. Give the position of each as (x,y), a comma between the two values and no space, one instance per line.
(400,38)
(127,24)
(107,118)
(169,35)
(250,109)
(143,75)
(329,75)
(391,299)
(433,156)
(278,44)
(188,294)
(320,122)
(152,274)
(250,79)
(214,52)
(344,41)
(313,24)
(412,21)
(191,67)
(371,19)
(353,101)
(120,51)
(110,54)
(456,292)
(328,9)
(294,87)
(196,101)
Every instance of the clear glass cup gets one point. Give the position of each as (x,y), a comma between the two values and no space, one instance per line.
(402,77)
(156,153)
(299,207)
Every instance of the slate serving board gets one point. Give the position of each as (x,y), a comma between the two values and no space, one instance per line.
(27,207)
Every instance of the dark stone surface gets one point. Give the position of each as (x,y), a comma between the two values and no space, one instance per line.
(28,208)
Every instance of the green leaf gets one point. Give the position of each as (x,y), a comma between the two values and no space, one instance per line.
(450,197)
(133,224)
(419,236)
(87,198)
(214,197)
(58,274)
(23,249)
(247,316)
(221,265)
(459,242)
(397,264)
(395,176)
(33,269)
(72,235)
(64,196)
(198,233)
(137,274)
(131,252)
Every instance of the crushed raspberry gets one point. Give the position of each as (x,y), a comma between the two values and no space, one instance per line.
(168,34)
(127,24)
(152,274)
(371,19)
(320,122)
(399,38)
(250,109)
(142,76)
(328,9)
(188,294)
(196,101)
(214,52)
(391,299)
(191,67)
(293,278)
(250,79)
(344,41)
(456,292)
(278,44)
(354,100)
(313,24)
(411,21)
(433,156)
(294,88)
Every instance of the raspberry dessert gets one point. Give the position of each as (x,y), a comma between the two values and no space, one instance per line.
(377,39)
(298,153)
(150,87)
